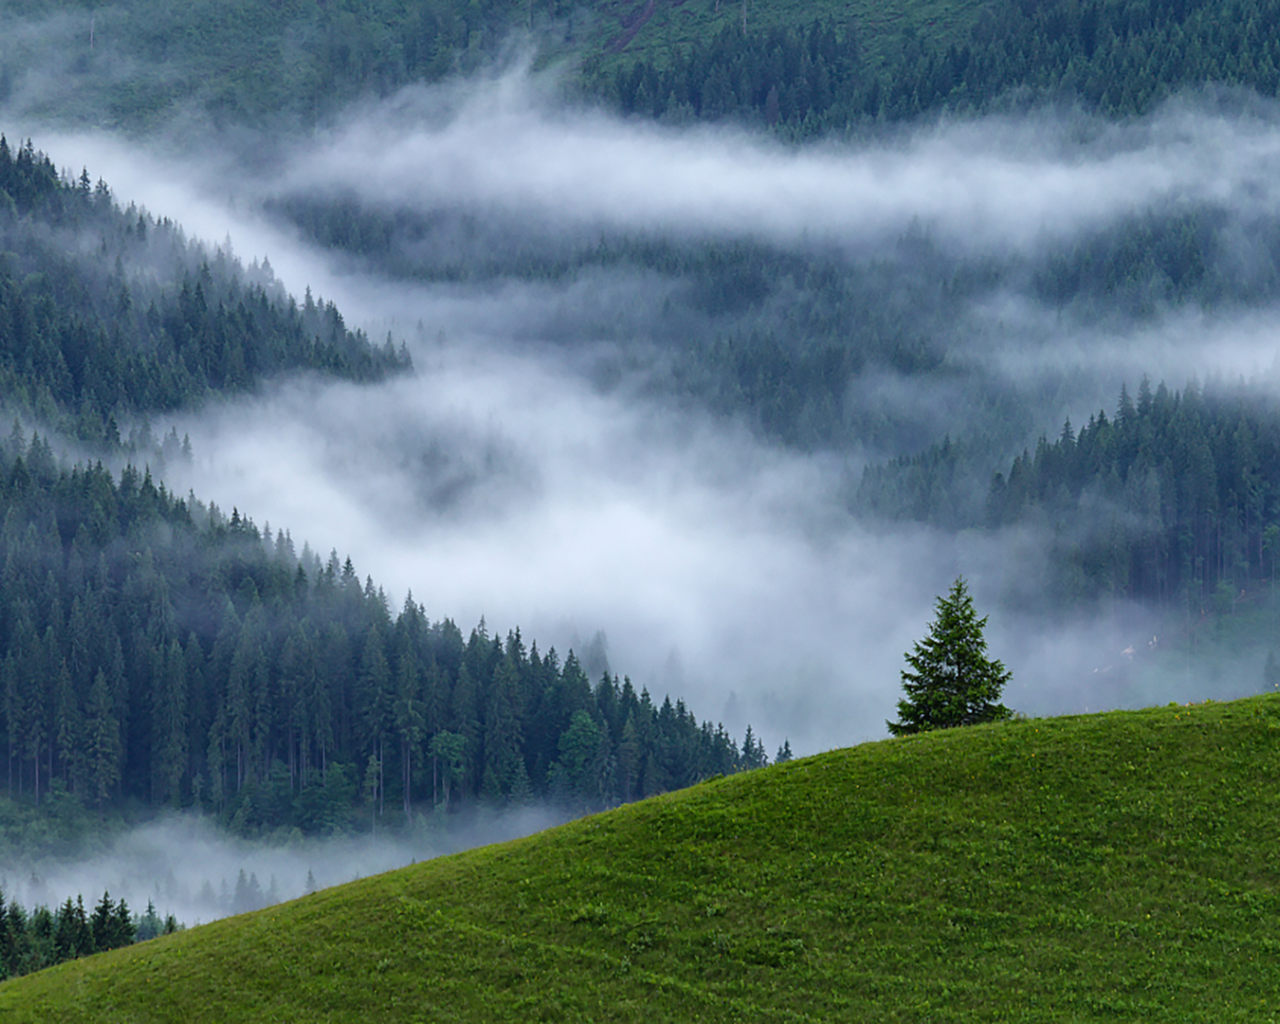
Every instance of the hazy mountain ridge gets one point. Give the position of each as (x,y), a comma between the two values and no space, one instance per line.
(835,66)
(107,314)
(1171,498)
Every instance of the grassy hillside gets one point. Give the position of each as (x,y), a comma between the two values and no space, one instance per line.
(1117,866)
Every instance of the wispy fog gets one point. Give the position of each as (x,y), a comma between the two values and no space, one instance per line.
(502,145)
(507,479)
(494,484)
(188,868)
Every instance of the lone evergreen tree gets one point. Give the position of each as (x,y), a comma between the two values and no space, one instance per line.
(951,681)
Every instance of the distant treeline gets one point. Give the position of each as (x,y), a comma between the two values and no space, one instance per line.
(744,327)
(1174,497)
(106,311)
(155,652)
(246,62)
(1115,57)
(32,941)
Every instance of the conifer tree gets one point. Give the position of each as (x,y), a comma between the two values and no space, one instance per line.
(950,680)
(103,742)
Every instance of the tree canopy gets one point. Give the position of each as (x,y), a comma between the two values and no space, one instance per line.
(950,680)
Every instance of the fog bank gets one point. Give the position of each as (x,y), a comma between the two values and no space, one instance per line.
(503,146)
(189,868)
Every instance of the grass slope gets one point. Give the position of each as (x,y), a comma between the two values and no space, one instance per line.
(1119,866)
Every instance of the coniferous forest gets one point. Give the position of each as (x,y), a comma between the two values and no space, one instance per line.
(1118,57)
(160,652)
(834,67)
(33,940)
(1173,498)
(103,309)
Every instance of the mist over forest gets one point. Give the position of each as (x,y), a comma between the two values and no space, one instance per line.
(718,397)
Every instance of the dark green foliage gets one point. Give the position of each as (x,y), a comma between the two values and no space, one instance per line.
(1174,498)
(150,925)
(803,78)
(154,651)
(1173,495)
(853,64)
(248,62)
(951,682)
(1116,57)
(106,312)
(33,940)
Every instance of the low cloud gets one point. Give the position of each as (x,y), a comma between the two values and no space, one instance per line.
(186,867)
(504,146)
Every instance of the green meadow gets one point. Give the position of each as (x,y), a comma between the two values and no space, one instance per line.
(1120,866)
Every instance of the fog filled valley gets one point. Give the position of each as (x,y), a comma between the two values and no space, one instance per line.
(643,444)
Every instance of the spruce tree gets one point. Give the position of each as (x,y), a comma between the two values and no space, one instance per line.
(950,680)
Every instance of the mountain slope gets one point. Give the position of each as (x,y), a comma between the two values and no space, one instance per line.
(625,30)
(1116,865)
(812,68)
(107,313)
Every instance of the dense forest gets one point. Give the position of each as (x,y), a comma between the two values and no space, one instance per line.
(1115,57)
(154,652)
(31,940)
(1174,498)
(773,336)
(245,62)
(157,652)
(106,313)
(252,63)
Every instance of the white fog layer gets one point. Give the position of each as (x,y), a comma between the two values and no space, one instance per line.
(187,867)
(992,183)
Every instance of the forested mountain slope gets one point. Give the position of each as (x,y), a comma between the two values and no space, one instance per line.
(779,336)
(1177,495)
(105,313)
(848,65)
(808,69)
(139,63)
(154,652)
(1117,865)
